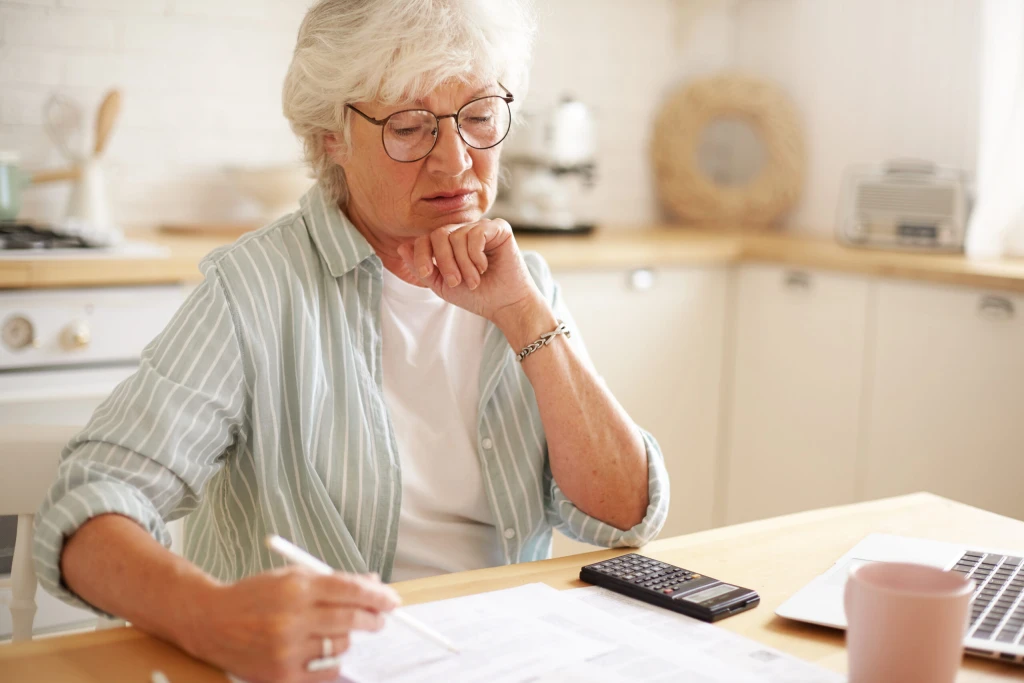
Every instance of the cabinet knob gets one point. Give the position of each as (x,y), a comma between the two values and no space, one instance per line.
(995,307)
(797,279)
(641,279)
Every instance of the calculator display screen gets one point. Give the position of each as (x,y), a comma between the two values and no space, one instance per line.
(709,594)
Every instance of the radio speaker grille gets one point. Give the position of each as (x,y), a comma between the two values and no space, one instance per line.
(920,200)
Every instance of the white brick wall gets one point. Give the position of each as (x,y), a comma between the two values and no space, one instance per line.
(201,83)
(201,91)
(58,31)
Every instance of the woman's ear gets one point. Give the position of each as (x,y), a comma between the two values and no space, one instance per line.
(335,148)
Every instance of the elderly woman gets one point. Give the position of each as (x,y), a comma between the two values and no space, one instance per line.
(381,377)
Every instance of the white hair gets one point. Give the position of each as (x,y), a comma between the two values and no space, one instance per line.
(393,51)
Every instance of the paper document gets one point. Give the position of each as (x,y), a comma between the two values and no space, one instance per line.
(733,657)
(536,634)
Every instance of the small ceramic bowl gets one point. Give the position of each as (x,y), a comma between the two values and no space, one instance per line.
(275,189)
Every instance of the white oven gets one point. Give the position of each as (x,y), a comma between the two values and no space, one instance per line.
(62,352)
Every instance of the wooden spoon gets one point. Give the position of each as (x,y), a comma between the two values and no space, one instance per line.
(109,109)
(40,177)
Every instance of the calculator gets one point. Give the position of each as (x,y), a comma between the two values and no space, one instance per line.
(671,587)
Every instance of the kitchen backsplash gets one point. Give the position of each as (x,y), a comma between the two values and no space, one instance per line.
(201,84)
(201,81)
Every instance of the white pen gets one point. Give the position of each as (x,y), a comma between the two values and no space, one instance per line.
(297,555)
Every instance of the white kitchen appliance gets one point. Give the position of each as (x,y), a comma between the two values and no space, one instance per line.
(548,165)
(996,627)
(62,352)
(904,204)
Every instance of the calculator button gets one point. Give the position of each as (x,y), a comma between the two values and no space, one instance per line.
(668,591)
(696,576)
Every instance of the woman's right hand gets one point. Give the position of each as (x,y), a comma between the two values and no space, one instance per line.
(266,628)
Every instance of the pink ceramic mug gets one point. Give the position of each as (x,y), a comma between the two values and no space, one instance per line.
(906,623)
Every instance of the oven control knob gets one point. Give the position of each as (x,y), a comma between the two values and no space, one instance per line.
(77,335)
(18,333)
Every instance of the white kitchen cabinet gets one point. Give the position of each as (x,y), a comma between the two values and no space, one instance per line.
(657,337)
(796,380)
(947,396)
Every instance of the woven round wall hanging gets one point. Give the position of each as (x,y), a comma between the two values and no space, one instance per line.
(729,150)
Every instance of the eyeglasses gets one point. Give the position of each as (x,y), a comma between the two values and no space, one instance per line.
(409,135)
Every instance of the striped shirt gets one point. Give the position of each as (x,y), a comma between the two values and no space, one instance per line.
(260,409)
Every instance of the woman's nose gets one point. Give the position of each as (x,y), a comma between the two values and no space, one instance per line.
(450,154)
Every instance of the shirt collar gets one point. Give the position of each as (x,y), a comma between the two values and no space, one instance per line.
(340,244)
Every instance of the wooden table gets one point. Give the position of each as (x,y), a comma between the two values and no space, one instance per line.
(775,556)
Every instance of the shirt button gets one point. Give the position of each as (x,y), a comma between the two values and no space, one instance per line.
(510,533)
(487,444)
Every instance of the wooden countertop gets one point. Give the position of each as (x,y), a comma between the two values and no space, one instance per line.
(607,248)
(775,557)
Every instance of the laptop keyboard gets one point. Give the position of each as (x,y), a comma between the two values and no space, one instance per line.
(997,613)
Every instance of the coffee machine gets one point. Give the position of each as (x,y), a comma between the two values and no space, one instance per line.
(549,166)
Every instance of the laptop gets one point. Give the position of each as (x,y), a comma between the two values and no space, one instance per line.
(996,627)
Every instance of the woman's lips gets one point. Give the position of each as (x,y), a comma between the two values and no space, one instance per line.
(450,203)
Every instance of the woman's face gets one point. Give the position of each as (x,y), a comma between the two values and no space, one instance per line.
(401,200)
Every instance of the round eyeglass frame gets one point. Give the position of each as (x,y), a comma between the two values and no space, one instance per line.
(507,97)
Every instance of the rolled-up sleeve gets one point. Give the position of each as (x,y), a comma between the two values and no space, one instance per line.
(561,512)
(150,447)
(578,525)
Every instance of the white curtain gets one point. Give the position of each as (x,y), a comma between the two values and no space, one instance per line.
(997,224)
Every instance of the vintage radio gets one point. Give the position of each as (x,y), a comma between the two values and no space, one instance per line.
(904,204)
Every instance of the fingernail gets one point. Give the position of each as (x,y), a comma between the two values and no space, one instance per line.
(424,271)
(452,281)
(473,285)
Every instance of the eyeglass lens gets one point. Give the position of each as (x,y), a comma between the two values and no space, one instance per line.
(410,135)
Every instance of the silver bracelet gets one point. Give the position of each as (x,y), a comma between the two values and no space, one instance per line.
(544,340)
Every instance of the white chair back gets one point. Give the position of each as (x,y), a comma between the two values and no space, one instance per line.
(29,455)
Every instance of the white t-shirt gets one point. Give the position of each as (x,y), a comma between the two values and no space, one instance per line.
(432,354)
